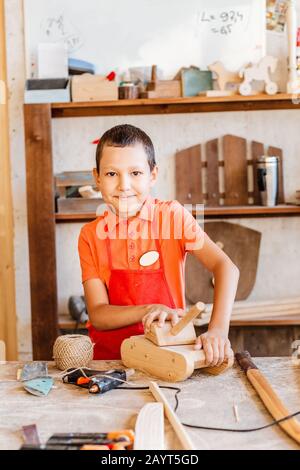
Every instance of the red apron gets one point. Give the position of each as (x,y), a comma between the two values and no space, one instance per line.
(130,287)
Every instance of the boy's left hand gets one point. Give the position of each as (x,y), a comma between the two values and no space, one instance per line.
(216,346)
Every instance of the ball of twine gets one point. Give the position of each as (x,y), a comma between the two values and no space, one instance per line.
(72,351)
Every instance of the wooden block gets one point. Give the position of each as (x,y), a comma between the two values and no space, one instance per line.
(149,428)
(212,174)
(172,366)
(235,171)
(89,87)
(165,88)
(185,321)
(162,336)
(189,176)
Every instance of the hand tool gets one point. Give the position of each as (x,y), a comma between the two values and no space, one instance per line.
(97,381)
(268,396)
(115,440)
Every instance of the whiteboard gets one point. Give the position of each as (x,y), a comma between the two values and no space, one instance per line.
(118,34)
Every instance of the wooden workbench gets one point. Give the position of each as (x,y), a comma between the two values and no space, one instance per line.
(204,400)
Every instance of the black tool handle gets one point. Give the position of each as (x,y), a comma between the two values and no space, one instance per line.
(245,361)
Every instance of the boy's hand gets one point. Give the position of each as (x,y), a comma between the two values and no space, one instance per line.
(161,313)
(216,346)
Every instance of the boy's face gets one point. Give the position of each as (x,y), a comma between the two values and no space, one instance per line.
(125,178)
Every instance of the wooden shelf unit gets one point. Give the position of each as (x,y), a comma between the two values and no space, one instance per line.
(209,213)
(40,188)
(201,104)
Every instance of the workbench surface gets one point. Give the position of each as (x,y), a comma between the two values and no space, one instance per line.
(204,400)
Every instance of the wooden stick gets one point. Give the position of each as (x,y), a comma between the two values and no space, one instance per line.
(172,417)
(268,396)
(192,313)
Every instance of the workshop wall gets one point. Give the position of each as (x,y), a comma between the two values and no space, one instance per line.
(279,267)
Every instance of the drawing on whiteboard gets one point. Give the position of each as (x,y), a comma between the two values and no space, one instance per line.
(57,29)
(222,22)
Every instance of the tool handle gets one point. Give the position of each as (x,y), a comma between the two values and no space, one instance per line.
(273,403)
(192,313)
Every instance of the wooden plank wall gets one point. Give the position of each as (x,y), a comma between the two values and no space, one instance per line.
(7,277)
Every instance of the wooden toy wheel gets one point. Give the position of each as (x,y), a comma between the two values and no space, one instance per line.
(271,88)
(245,89)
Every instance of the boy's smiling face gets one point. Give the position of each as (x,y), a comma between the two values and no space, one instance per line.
(125,178)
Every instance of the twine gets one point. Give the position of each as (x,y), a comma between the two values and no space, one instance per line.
(72,351)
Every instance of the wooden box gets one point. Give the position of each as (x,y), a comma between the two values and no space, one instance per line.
(88,87)
(70,181)
(71,205)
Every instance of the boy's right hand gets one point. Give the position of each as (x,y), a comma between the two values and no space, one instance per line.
(161,313)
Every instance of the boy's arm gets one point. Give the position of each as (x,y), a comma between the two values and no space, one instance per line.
(215,341)
(107,317)
(104,316)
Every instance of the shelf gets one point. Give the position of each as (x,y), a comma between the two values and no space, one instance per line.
(201,104)
(66,323)
(210,213)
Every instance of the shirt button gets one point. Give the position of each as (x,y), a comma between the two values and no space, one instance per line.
(132,258)
(131,234)
(131,246)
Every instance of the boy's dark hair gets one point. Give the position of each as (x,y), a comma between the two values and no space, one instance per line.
(125,135)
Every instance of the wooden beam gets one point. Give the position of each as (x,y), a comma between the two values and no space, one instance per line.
(41,229)
(7,275)
(180,431)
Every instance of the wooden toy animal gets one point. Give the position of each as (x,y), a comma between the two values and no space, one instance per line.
(224,76)
(261,72)
(168,352)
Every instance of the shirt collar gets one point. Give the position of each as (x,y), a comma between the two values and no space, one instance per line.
(146,213)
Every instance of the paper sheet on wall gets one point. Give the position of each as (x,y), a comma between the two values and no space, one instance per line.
(52,60)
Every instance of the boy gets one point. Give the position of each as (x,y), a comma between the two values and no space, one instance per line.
(132,257)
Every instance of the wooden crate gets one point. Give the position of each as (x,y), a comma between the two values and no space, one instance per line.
(70,205)
(81,205)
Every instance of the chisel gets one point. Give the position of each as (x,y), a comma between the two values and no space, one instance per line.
(268,396)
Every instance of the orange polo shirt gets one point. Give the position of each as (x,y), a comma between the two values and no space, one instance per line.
(173,225)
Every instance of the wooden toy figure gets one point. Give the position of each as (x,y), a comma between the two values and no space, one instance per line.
(260,72)
(224,76)
(168,352)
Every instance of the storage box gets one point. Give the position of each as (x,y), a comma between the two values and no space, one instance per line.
(89,87)
(73,205)
(47,90)
(68,183)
